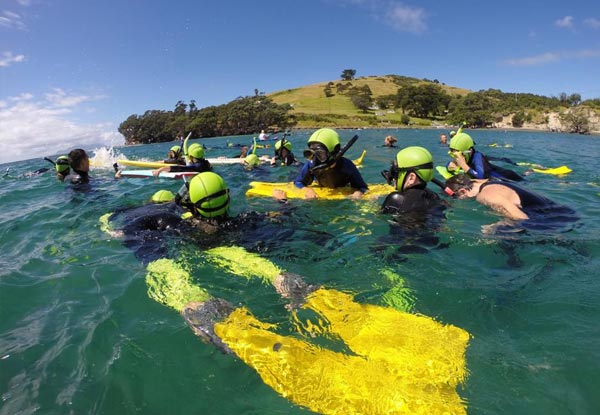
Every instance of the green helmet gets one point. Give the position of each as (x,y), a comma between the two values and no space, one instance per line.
(62,164)
(287,145)
(175,149)
(196,151)
(209,194)
(252,160)
(162,196)
(328,137)
(461,142)
(416,159)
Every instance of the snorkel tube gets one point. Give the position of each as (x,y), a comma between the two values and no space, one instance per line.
(339,155)
(442,186)
(184,146)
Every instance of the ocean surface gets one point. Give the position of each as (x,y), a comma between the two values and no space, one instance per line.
(80,335)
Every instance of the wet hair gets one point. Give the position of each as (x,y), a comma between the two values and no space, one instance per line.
(460,181)
(76,157)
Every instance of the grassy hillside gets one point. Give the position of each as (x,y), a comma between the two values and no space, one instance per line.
(314,109)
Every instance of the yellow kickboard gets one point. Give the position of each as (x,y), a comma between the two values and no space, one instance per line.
(558,170)
(265,189)
(147,164)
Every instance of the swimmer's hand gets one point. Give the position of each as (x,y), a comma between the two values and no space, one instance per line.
(280,195)
(309,193)
(356,195)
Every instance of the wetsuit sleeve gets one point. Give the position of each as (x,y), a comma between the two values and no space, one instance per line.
(304,177)
(199,167)
(356,179)
(477,166)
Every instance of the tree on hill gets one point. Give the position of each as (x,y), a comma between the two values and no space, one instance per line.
(348,74)
(576,120)
(422,100)
(475,108)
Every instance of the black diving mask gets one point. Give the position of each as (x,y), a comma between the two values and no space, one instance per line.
(317,153)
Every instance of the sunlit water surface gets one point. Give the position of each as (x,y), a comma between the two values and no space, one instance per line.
(79,334)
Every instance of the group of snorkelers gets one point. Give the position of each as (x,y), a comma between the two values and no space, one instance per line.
(200,209)
(473,175)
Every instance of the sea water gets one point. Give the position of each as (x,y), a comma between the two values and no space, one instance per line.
(80,335)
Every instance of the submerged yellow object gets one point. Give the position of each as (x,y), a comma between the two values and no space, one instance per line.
(400,363)
(405,380)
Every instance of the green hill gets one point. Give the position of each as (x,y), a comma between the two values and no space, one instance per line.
(313,108)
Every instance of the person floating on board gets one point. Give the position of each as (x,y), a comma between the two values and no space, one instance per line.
(283,153)
(390,141)
(474,163)
(198,163)
(263,136)
(327,167)
(175,156)
(512,201)
(79,162)
(410,173)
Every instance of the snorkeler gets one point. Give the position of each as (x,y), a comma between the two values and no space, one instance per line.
(197,163)
(79,162)
(327,167)
(474,163)
(410,173)
(62,167)
(283,153)
(175,156)
(201,208)
(508,199)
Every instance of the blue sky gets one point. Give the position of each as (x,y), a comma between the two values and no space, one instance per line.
(72,70)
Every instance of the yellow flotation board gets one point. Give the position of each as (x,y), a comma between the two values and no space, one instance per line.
(265,189)
(146,164)
(556,171)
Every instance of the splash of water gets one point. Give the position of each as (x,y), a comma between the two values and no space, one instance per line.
(105,157)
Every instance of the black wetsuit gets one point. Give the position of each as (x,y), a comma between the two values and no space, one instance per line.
(410,200)
(177,161)
(77,177)
(288,160)
(416,216)
(201,165)
(153,230)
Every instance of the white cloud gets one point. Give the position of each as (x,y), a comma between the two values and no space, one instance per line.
(406,18)
(11,20)
(534,60)
(550,57)
(58,97)
(565,22)
(8,59)
(33,128)
(400,16)
(592,22)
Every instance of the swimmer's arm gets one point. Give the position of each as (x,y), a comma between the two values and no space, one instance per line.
(156,172)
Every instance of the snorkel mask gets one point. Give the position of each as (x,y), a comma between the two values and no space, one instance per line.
(396,176)
(317,153)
